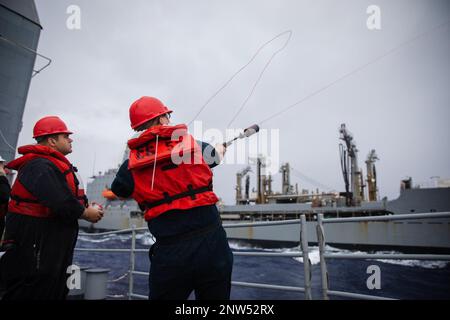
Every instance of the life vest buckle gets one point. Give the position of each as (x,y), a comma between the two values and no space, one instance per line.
(167,198)
(191,192)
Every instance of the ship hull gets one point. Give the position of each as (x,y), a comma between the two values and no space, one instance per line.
(426,234)
(115,218)
(391,235)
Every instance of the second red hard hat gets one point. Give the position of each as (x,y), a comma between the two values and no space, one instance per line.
(146,109)
(49,125)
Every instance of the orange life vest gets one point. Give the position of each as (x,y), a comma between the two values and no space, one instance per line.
(169,171)
(22,201)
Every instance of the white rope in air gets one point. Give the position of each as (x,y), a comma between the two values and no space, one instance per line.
(289,32)
(384,55)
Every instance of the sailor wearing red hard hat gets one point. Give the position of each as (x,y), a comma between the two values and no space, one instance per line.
(191,252)
(42,220)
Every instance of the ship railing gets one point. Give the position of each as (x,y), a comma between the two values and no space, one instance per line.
(132,251)
(324,254)
(304,253)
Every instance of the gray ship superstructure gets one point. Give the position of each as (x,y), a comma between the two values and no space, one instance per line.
(19,36)
(119,213)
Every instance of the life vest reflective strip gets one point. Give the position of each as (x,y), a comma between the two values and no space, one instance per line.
(180,186)
(23,202)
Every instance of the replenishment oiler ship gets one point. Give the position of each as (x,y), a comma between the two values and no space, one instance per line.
(266,205)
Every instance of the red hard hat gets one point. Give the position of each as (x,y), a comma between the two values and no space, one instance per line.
(49,125)
(145,109)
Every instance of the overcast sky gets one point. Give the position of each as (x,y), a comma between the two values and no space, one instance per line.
(183,51)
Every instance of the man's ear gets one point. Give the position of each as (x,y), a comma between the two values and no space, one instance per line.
(51,141)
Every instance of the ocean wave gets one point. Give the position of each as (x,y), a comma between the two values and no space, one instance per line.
(427,264)
(314,255)
(144,237)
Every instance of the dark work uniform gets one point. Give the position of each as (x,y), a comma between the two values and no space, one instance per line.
(188,254)
(39,250)
(4,198)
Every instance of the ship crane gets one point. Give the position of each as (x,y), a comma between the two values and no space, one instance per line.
(263,181)
(239,177)
(372,176)
(286,180)
(349,153)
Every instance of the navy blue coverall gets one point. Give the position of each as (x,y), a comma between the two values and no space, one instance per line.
(39,250)
(4,198)
(191,252)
